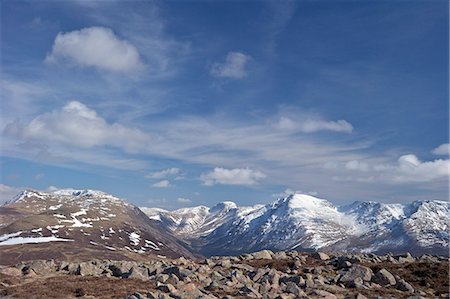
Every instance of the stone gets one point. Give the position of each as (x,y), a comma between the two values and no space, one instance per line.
(360,296)
(88,269)
(320,256)
(162,278)
(406,258)
(11,271)
(137,295)
(263,254)
(138,273)
(383,278)
(178,271)
(280,255)
(324,294)
(357,271)
(402,285)
(167,288)
(121,269)
(292,288)
(250,292)
(42,267)
(224,263)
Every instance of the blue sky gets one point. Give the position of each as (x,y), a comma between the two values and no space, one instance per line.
(173,104)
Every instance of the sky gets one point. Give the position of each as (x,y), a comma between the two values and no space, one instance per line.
(182,103)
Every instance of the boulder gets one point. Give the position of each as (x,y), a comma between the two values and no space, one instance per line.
(357,271)
(263,254)
(402,285)
(11,271)
(320,256)
(88,269)
(140,273)
(166,288)
(383,278)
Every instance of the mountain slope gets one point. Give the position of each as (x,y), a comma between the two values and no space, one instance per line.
(305,222)
(78,224)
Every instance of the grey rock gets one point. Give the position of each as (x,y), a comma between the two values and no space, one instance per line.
(88,269)
(357,271)
(263,254)
(250,292)
(138,273)
(280,255)
(321,256)
(402,285)
(181,273)
(42,267)
(406,258)
(383,278)
(167,288)
(324,294)
(292,288)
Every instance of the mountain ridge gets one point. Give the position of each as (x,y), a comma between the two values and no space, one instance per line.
(305,222)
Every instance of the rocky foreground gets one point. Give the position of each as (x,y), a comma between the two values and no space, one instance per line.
(263,274)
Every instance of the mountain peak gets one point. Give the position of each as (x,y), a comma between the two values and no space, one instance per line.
(225,205)
(305,201)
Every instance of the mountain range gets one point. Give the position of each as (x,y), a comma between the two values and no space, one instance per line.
(304,222)
(83,224)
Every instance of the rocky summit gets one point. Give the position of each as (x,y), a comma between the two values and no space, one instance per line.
(263,274)
(80,224)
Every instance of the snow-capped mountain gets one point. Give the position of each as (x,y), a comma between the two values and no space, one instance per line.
(305,222)
(78,224)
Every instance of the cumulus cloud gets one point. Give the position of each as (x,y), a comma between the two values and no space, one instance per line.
(313,125)
(165,173)
(442,149)
(162,184)
(77,125)
(236,176)
(95,47)
(234,66)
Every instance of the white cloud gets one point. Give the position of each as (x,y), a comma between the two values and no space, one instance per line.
(313,125)
(162,184)
(77,125)
(233,67)
(407,169)
(165,173)
(442,149)
(183,200)
(236,176)
(290,191)
(95,47)
(357,165)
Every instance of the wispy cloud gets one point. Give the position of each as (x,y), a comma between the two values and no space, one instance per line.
(407,169)
(234,66)
(183,200)
(95,47)
(164,173)
(314,125)
(162,184)
(236,176)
